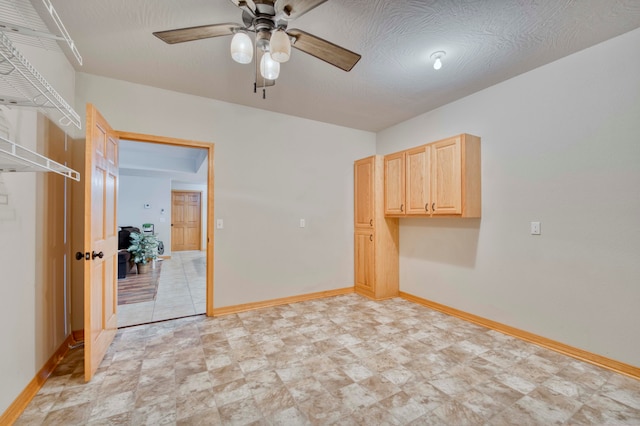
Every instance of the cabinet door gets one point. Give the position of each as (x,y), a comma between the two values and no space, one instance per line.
(418,181)
(394,184)
(446,175)
(364,260)
(364,178)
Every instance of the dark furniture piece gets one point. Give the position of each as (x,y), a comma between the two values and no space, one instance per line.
(124,257)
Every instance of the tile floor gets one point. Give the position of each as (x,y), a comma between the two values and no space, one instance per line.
(181,291)
(343,360)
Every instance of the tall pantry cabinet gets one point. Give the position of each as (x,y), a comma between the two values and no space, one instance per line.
(375,236)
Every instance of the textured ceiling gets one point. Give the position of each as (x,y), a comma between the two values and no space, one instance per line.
(487,41)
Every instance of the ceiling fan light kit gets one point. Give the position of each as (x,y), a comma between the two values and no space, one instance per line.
(269,68)
(242,48)
(268,20)
(280,46)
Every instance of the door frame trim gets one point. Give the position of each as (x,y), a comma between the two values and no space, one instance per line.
(209,146)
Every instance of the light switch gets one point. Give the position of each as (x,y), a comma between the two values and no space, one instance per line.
(535,228)
(219,224)
(303,223)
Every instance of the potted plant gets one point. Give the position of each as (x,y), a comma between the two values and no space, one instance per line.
(144,250)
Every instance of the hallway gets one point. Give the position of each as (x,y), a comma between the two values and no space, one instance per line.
(181,291)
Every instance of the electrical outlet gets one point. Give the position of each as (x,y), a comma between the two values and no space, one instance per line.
(535,228)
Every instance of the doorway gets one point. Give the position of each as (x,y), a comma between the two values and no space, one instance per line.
(185,220)
(183,279)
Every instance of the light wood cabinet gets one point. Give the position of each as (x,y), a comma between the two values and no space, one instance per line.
(364,260)
(394,184)
(375,236)
(418,180)
(437,179)
(363,172)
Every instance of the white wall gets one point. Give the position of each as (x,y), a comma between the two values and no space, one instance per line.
(27,305)
(176,186)
(18,277)
(136,191)
(271,170)
(560,145)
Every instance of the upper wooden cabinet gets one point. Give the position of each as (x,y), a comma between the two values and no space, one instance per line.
(418,180)
(363,172)
(437,179)
(394,184)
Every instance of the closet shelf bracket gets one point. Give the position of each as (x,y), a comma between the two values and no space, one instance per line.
(16,158)
(32,89)
(63,30)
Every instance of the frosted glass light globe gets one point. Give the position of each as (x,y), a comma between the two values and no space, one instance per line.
(269,68)
(242,48)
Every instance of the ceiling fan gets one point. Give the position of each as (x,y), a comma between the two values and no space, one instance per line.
(268,19)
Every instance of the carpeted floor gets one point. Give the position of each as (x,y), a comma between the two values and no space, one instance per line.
(137,288)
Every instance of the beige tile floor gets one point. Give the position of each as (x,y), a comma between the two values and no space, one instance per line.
(181,291)
(343,360)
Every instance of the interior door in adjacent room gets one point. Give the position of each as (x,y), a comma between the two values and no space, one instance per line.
(185,220)
(100,239)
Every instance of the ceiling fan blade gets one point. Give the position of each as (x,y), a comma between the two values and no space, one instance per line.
(324,50)
(181,35)
(260,80)
(292,9)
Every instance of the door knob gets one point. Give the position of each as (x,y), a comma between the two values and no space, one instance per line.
(80,255)
(94,255)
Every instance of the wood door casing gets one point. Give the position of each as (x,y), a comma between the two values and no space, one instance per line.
(101,237)
(209,200)
(185,220)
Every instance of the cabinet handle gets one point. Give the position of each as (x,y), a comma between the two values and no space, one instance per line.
(370,237)
(370,222)
(433,207)
(426,207)
(401,207)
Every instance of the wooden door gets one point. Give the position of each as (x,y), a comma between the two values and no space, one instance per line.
(446,175)
(363,171)
(101,240)
(185,220)
(394,184)
(418,181)
(364,260)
